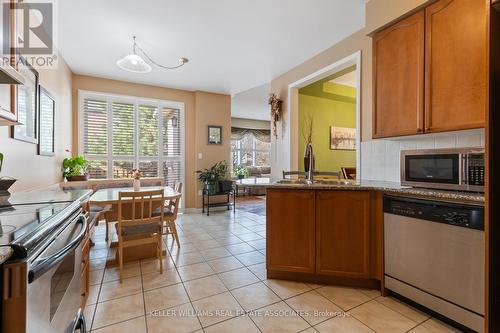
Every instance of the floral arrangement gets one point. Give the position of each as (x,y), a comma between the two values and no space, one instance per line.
(136,174)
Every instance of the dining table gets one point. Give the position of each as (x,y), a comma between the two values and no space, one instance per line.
(109,197)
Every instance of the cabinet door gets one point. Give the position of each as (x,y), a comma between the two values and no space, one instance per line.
(343,233)
(456,52)
(398,69)
(290,230)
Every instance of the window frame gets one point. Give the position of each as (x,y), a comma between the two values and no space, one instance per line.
(136,158)
(254,151)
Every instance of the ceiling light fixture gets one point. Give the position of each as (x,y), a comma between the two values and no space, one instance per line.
(135,64)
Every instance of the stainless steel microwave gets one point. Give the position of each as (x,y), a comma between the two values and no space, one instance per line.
(449,169)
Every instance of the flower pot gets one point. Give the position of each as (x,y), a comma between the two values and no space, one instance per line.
(241,176)
(6,183)
(211,188)
(80,178)
(137,185)
(225,185)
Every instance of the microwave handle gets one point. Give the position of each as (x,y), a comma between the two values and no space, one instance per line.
(465,169)
(42,266)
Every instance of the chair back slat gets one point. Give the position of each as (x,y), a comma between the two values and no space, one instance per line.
(136,208)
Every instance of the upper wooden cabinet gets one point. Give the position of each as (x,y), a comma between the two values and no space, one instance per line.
(343,233)
(291,235)
(398,69)
(456,48)
(431,70)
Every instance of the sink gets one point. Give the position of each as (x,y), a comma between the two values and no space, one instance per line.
(292,181)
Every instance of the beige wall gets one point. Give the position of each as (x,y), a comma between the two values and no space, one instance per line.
(201,109)
(21,159)
(378,13)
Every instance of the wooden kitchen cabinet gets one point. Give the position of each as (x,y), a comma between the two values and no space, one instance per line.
(343,233)
(456,65)
(431,70)
(290,230)
(85,289)
(398,69)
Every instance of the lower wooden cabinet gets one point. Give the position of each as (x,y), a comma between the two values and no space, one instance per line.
(85,289)
(343,233)
(291,230)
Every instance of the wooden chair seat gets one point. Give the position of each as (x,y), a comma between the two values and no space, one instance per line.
(139,229)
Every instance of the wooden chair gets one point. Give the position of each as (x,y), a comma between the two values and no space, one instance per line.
(137,225)
(348,172)
(169,217)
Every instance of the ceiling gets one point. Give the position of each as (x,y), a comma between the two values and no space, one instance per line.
(348,79)
(232,45)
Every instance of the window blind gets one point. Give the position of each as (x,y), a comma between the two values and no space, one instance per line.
(95,127)
(148,130)
(123,129)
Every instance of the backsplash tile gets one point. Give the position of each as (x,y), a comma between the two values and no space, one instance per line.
(380,158)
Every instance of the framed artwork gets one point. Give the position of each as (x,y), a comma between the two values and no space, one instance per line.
(214,135)
(24,99)
(342,138)
(47,114)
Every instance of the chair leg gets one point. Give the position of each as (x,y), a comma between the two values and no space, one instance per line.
(160,252)
(120,261)
(173,229)
(107,230)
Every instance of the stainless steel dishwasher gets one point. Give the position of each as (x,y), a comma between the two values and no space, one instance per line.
(434,256)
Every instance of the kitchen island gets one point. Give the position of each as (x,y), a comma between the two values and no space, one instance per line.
(332,231)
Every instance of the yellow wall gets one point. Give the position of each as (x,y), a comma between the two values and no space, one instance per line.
(21,159)
(201,109)
(325,113)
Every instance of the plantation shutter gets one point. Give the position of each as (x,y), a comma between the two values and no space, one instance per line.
(171,145)
(123,129)
(95,136)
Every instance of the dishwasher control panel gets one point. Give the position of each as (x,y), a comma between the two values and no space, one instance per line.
(466,216)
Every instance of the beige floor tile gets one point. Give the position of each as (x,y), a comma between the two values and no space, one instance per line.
(156,280)
(238,278)
(215,253)
(136,325)
(225,264)
(372,293)
(93,294)
(287,289)
(346,298)
(153,265)
(230,240)
(251,258)
(259,244)
(405,309)
(217,308)
(313,307)
(89,314)
(310,330)
(436,326)
(117,310)
(184,259)
(185,248)
(203,245)
(239,248)
(251,236)
(115,289)
(204,287)
(259,270)
(278,317)
(195,271)
(255,296)
(382,319)
(420,329)
(166,297)
(239,324)
(343,324)
(97,264)
(98,253)
(96,276)
(181,319)
(129,270)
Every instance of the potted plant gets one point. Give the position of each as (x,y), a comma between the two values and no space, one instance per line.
(241,171)
(224,182)
(75,168)
(209,178)
(216,178)
(5,182)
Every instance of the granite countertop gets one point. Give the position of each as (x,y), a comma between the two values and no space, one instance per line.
(46,195)
(392,188)
(5,253)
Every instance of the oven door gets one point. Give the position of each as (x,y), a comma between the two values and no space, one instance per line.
(438,170)
(54,289)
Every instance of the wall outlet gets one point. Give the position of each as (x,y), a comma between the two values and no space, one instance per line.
(200,192)
(200,156)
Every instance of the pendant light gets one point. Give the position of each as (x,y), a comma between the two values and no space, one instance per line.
(135,64)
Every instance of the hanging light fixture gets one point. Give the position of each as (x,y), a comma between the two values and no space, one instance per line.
(135,64)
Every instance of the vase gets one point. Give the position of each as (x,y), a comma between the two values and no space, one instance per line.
(137,185)
(211,188)
(307,157)
(241,176)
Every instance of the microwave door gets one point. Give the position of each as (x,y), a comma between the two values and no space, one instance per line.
(437,169)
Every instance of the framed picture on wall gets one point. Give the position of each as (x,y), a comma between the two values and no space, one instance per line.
(47,114)
(342,138)
(214,135)
(24,99)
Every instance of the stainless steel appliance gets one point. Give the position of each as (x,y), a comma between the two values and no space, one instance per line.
(41,282)
(449,169)
(434,255)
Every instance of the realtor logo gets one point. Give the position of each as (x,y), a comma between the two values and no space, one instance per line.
(32,36)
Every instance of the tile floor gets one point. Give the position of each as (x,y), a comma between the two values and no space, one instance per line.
(216,282)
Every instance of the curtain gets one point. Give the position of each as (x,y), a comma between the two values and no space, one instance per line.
(238,133)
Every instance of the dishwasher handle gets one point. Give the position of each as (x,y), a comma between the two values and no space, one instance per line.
(43,265)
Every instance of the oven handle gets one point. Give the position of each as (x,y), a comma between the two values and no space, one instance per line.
(42,266)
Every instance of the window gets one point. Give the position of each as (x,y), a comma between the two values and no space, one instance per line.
(120,134)
(250,151)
